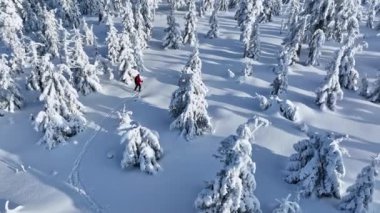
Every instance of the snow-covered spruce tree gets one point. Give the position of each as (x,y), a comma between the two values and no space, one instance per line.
(85,74)
(372,9)
(194,64)
(288,110)
(128,19)
(222,5)
(88,33)
(190,33)
(142,146)
(330,92)
(345,12)
(62,116)
(374,95)
(11,23)
(280,83)
(293,8)
(112,42)
(173,37)
(288,206)
(146,12)
(264,102)
(207,6)
(31,16)
(41,68)
(10,96)
(142,29)
(126,57)
(50,33)
(90,7)
(293,42)
(364,86)
(233,188)
(69,12)
(360,194)
(214,25)
(317,165)
(348,75)
(316,43)
(18,54)
(137,53)
(247,70)
(188,105)
(252,48)
(232,4)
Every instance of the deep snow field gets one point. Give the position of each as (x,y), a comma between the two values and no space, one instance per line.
(79,177)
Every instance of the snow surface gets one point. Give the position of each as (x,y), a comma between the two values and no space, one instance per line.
(82,177)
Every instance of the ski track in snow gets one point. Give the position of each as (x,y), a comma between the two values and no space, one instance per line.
(73,179)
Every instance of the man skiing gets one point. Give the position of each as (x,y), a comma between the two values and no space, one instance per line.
(138,82)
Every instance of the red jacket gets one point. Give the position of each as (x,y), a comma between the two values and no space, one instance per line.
(138,80)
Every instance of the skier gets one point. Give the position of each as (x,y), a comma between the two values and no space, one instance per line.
(138,82)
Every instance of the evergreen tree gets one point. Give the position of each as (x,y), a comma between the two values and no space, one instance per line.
(126,57)
(232,4)
(280,83)
(69,12)
(90,7)
(10,97)
(188,105)
(173,37)
(252,47)
(206,6)
(62,116)
(317,165)
(10,21)
(345,12)
(288,206)
(214,25)
(112,41)
(364,86)
(222,5)
(85,74)
(142,145)
(190,33)
(50,32)
(142,28)
(373,4)
(146,12)
(374,95)
(88,33)
(233,188)
(31,16)
(137,53)
(360,194)
(288,110)
(316,43)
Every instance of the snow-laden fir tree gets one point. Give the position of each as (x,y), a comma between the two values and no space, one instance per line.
(293,42)
(50,33)
(288,206)
(206,6)
(317,165)
(126,57)
(146,12)
(11,23)
(62,116)
(222,5)
(128,19)
(137,53)
(190,33)
(316,44)
(249,11)
(188,105)
(142,146)
(372,10)
(31,16)
(360,195)
(232,4)
(346,11)
(85,74)
(41,68)
(178,4)
(173,37)
(88,33)
(364,86)
(10,96)
(90,7)
(112,42)
(18,54)
(233,188)
(288,109)
(330,91)
(214,25)
(264,102)
(252,48)
(280,83)
(142,28)
(247,70)
(69,12)
(374,95)
(348,75)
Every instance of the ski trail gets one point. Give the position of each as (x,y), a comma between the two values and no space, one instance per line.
(73,179)
(14,166)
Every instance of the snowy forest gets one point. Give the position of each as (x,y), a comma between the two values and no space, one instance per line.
(230,106)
